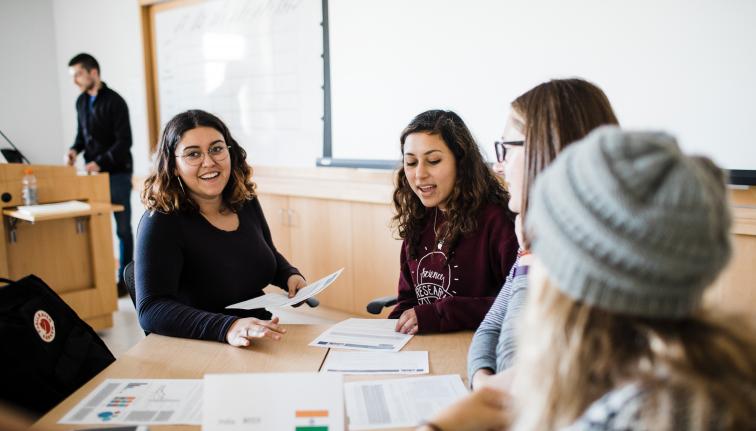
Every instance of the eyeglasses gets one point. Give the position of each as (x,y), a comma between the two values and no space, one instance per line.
(195,157)
(501,148)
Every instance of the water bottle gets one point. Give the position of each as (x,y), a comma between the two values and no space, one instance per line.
(29,187)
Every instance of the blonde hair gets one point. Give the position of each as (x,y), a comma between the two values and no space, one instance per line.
(571,354)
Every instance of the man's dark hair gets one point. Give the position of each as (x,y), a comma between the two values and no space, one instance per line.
(86,61)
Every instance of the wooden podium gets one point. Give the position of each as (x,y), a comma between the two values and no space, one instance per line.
(73,251)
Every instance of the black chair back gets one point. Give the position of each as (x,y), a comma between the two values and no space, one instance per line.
(128,279)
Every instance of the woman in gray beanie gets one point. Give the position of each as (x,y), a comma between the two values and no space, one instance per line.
(626,233)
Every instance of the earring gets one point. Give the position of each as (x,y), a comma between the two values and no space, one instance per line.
(181,184)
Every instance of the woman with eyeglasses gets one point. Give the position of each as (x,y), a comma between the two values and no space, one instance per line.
(203,242)
(458,235)
(542,122)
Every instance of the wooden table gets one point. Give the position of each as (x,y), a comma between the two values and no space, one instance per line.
(158,357)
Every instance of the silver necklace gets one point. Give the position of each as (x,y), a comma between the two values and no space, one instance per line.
(435,232)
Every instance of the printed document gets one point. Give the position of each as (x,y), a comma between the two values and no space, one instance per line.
(273,401)
(140,402)
(374,335)
(280,299)
(376,362)
(399,403)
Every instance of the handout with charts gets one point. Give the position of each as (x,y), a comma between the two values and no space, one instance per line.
(273,401)
(412,362)
(143,402)
(399,403)
(280,299)
(375,335)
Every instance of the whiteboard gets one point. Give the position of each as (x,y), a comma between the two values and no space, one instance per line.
(684,66)
(254,63)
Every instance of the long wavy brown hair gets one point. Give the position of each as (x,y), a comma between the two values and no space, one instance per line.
(555,114)
(572,353)
(162,191)
(474,188)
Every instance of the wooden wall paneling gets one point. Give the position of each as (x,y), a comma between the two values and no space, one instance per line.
(321,240)
(735,290)
(277,214)
(376,255)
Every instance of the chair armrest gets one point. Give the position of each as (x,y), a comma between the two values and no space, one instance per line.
(378,304)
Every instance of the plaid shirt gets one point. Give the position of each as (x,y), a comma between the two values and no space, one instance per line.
(618,410)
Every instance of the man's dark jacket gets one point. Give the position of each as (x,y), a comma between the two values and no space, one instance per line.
(107,140)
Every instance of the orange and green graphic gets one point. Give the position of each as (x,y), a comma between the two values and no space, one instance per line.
(122,402)
(311,420)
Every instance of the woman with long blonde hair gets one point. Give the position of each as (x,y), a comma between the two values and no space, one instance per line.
(627,233)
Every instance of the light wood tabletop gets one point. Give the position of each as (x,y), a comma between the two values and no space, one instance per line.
(159,357)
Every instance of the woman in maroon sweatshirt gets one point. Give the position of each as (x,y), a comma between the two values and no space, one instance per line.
(458,233)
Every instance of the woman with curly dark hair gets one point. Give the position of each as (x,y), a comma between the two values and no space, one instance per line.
(203,242)
(458,235)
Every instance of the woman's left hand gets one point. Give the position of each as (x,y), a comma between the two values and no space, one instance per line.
(407,323)
(295,283)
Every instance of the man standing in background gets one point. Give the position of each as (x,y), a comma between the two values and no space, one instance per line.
(104,135)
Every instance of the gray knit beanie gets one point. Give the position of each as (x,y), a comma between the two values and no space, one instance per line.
(627,223)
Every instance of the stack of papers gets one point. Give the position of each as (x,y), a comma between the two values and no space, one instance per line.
(375,335)
(56,208)
(280,299)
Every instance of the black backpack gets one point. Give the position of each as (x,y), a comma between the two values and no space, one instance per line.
(48,351)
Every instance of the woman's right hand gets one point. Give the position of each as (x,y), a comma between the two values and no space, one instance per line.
(242,331)
(482,409)
(480,377)
(501,381)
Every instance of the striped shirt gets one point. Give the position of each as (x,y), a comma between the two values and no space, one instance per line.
(493,345)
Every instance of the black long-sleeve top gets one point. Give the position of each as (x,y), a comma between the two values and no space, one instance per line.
(187,271)
(104,134)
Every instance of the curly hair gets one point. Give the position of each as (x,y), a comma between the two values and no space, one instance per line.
(162,191)
(475,186)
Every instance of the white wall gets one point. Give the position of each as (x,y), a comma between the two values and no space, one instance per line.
(684,66)
(29,92)
(111,32)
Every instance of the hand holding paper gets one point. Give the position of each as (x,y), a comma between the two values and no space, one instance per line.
(279,299)
(295,283)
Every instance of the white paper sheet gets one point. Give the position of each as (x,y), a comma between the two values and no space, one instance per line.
(142,402)
(374,335)
(399,403)
(273,401)
(55,208)
(280,299)
(412,362)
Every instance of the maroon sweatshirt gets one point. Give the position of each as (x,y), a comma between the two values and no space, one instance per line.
(452,292)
